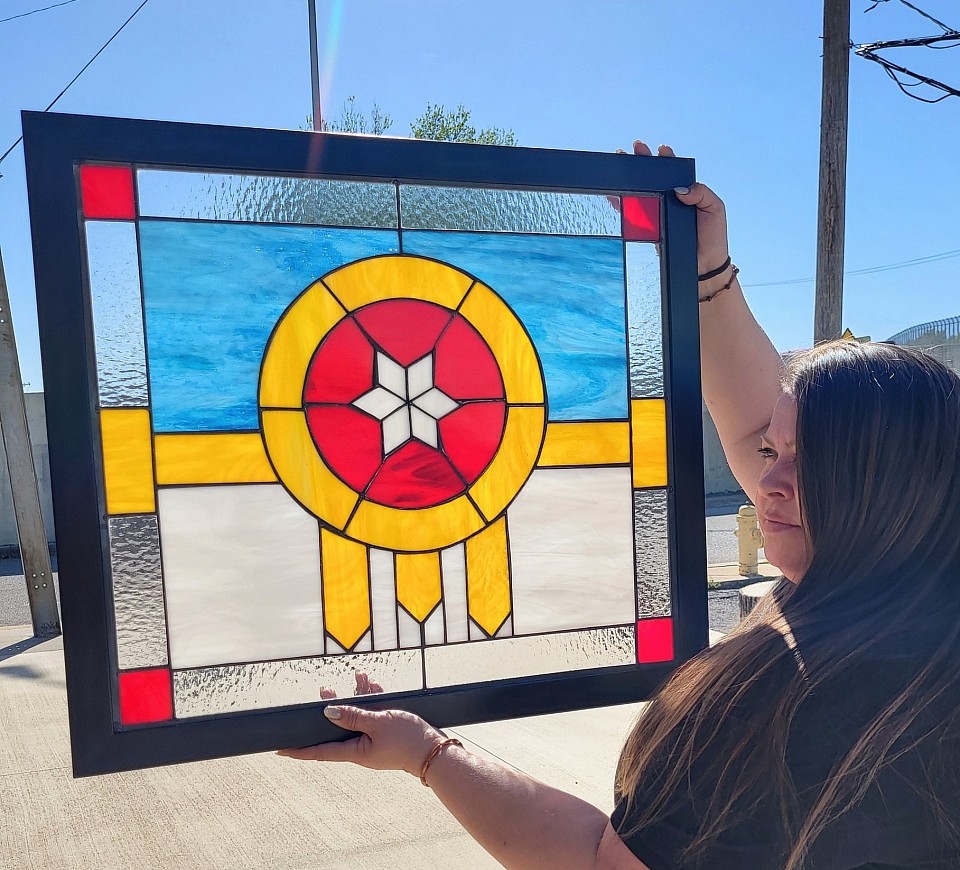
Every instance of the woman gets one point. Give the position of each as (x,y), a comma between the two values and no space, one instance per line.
(824,732)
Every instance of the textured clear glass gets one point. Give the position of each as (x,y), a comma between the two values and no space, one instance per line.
(644,317)
(457,664)
(117,313)
(651,541)
(258,686)
(507,211)
(266,199)
(137,591)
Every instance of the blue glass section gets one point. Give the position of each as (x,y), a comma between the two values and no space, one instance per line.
(569,292)
(213,293)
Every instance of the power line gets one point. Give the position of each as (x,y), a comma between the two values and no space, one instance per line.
(82,71)
(888,267)
(926,15)
(950,35)
(35,11)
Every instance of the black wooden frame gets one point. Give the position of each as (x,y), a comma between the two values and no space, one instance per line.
(54,145)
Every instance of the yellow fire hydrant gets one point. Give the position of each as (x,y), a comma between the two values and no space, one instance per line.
(749,539)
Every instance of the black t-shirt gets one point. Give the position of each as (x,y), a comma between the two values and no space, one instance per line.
(892,827)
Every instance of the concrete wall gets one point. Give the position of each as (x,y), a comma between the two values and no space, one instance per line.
(717,476)
(37,424)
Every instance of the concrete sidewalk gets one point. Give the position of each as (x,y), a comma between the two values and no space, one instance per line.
(257,811)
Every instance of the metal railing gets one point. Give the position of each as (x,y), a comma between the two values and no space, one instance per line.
(939,338)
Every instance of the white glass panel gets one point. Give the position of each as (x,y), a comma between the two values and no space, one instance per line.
(410,635)
(424,427)
(383,598)
(436,403)
(396,429)
(420,377)
(571,542)
(433,627)
(453,569)
(391,375)
(378,402)
(242,572)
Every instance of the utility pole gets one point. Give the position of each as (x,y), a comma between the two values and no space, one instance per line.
(34,552)
(314,67)
(828,313)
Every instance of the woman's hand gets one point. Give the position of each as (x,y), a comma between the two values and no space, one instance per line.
(711,222)
(388,740)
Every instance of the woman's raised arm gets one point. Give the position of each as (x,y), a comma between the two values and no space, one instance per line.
(740,368)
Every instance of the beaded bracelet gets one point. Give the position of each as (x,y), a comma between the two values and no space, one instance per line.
(437,747)
(727,286)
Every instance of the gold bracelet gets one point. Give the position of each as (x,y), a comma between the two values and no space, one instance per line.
(727,286)
(439,745)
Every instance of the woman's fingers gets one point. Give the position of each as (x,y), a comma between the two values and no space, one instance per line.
(388,739)
(711,227)
(641,149)
(702,197)
(348,750)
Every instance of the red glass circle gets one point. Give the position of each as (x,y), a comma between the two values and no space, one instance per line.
(374,433)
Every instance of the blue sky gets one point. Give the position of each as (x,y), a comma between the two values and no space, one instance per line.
(735,85)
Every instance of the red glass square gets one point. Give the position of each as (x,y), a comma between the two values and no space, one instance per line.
(655,640)
(107,192)
(145,696)
(641,218)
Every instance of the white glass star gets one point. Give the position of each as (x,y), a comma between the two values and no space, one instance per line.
(406,402)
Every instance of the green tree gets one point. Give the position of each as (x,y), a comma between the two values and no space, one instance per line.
(352,120)
(436,123)
(454,125)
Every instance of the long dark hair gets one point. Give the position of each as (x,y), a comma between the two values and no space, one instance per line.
(878,468)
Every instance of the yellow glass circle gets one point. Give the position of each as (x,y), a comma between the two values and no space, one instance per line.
(301,467)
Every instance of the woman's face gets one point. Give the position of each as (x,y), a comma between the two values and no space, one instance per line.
(778,501)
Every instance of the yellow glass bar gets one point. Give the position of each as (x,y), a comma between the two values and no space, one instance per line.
(293,344)
(127,461)
(508,471)
(346,588)
(302,470)
(648,427)
(418,583)
(398,276)
(488,577)
(509,342)
(574,444)
(222,458)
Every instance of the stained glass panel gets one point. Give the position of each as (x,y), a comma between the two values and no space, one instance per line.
(117,313)
(644,302)
(507,211)
(530,656)
(220,196)
(349,431)
(652,545)
(107,192)
(137,591)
